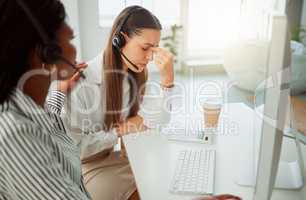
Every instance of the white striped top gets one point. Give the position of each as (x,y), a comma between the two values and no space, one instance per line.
(38,159)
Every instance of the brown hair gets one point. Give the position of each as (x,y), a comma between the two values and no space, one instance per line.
(113,70)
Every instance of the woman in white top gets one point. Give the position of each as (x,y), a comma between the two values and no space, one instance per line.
(111,101)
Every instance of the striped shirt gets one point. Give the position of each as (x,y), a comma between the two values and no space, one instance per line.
(38,160)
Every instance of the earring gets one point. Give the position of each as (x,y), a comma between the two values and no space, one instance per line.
(43,66)
(49,71)
(53,68)
(44,70)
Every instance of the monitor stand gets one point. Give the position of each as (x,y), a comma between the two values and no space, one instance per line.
(289,174)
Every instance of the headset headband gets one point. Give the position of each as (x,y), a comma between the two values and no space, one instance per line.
(35,23)
(130,12)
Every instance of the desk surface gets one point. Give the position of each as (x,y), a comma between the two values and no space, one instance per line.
(153,158)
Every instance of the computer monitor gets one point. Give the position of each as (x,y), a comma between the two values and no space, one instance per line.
(261,165)
(276,96)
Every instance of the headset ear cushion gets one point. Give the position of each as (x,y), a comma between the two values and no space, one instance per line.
(118,41)
(122,40)
(50,53)
(115,42)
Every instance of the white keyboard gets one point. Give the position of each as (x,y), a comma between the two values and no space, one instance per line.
(194,173)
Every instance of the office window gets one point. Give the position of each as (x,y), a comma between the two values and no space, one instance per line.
(211,25)
(109,9)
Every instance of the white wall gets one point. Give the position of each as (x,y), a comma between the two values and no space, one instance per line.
(93,37)
(303,20)
(304,14)
(83,17)
(73,20)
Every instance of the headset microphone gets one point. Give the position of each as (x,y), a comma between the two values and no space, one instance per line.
(80,71)
(136,68)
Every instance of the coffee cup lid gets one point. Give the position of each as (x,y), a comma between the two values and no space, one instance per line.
(212,104)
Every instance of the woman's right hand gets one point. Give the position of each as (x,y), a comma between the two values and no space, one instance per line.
(67,85)
(164,60)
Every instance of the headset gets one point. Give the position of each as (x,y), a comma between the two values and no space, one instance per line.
(119,41)
(50,52)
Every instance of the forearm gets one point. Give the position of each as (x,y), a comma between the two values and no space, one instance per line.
(156,110)
(167,79)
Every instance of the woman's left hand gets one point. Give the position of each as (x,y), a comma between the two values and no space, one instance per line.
(164,61)
(131,125)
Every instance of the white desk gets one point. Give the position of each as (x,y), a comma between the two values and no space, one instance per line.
(153,158)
